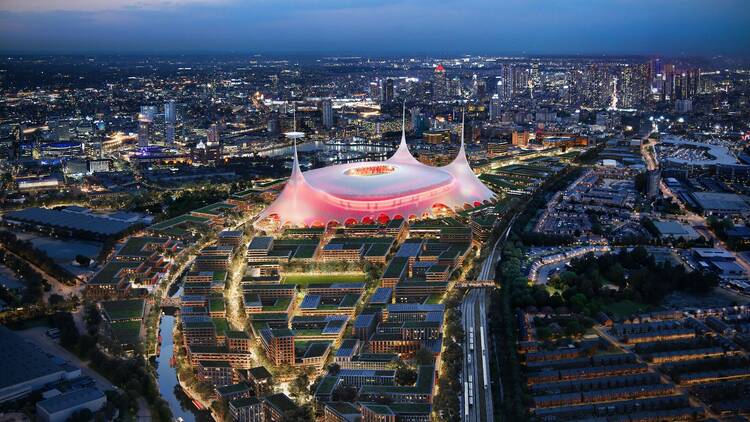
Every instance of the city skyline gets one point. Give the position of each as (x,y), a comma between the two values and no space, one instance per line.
(376,211)
(580,27)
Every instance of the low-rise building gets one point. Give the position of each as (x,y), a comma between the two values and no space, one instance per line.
(61,407)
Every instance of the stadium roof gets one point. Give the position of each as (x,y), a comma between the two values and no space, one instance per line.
(396,188)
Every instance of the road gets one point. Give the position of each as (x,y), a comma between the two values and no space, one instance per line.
(477,392)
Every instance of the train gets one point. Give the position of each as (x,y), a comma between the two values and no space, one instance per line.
(485,370)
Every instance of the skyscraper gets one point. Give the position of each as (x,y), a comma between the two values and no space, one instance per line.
(386,91)
(327,108)
(145,123)
(418,121)
(454,87)
(633,86)
(375,91)
(212,135)
(536,77)
(495,106)
(505,84)
(439,83)
(170,119)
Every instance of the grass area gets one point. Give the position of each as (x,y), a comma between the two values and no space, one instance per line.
(126,332)
(625,308)
(303,279)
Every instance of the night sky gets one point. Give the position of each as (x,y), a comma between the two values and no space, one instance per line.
(384,27)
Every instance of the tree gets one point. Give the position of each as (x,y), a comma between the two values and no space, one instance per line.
(405,375)
(55,299)
(424,357)
(334,368)
(83,415)
(298,414)
(93,318)
(83,261)
(573,328)
(68,332)
(299,386)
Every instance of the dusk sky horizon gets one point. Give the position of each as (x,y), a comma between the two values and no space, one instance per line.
(385,27)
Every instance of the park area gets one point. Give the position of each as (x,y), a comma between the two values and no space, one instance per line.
(303,279)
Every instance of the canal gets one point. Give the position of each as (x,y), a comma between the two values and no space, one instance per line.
(169,387)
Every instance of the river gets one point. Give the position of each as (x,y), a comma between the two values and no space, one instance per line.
(342,151)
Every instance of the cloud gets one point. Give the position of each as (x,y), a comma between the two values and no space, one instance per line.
(43,6)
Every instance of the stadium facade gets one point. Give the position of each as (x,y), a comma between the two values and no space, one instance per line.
(399,187)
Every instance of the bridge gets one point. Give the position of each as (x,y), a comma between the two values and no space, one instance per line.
(171,302)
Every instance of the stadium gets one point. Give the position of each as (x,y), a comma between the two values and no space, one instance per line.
(399,187)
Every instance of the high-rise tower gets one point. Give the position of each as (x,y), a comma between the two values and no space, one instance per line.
(170,119)
(439,83)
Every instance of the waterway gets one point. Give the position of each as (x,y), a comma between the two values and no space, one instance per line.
(340,151)
(169,387)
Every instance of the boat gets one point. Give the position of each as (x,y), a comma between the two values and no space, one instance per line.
(173,362)
(179,419)
(197,405)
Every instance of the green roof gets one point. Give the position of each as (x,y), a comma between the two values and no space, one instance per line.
(222,326)
(185,218)
(108,273)
(305,251)
(134,246)
(378,249)
(349,300)
(237,334)
(126,332)
(216,304)
(308,231)
(396,267)
(234,388)
(215,209)
(124,309)
(436,223)
(280,305)
(424,384)
(244,402)
(259,372)
(326,386)
(316,349)
(268,316)
(281,402)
